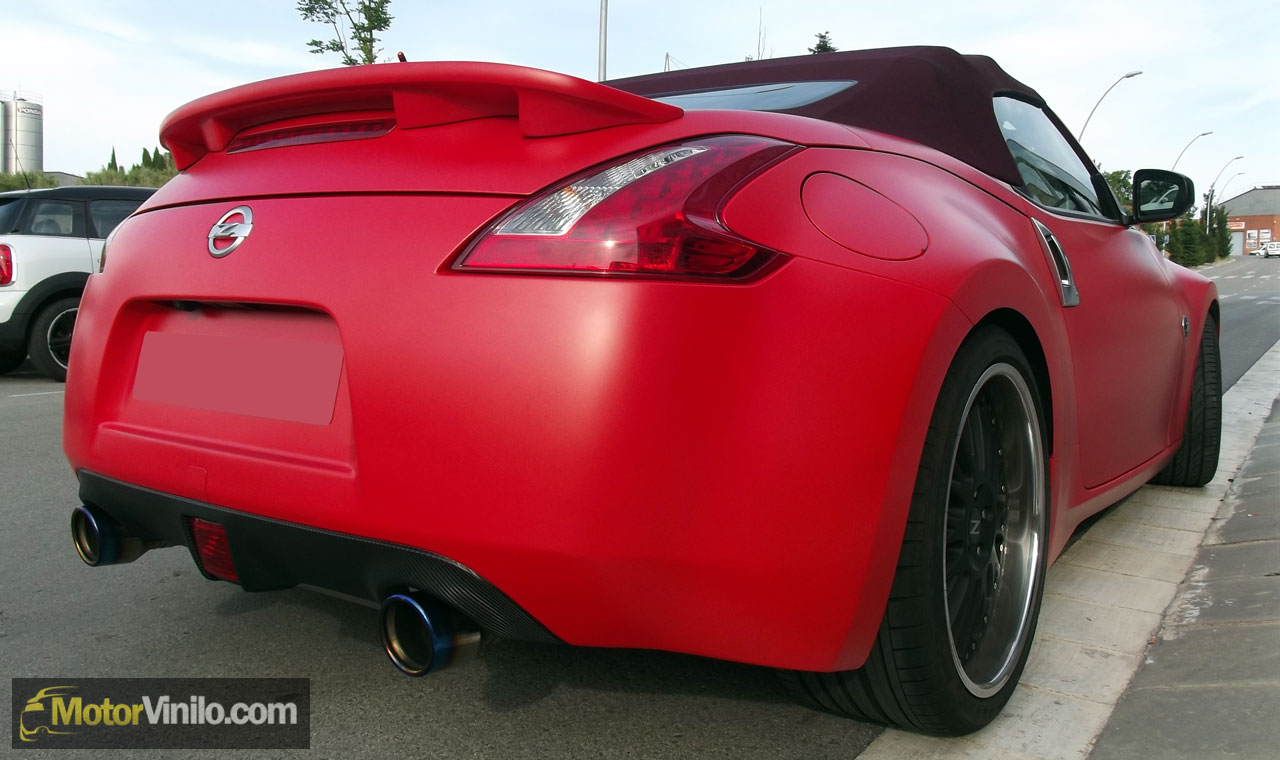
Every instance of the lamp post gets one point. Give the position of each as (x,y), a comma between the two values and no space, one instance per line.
(1184,150)
(1208,207)
(604,36)
(1228,182)
(1130,75)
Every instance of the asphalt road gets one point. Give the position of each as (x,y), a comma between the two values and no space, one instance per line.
(159,618)
(1249,295)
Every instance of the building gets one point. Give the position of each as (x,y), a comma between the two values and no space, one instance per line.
(1254,218)
(21,133)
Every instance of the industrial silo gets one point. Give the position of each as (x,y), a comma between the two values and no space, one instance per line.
(23,124)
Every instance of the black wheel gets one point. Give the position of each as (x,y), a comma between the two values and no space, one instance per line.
(50,343)
(1196,460)
(962,610)
(11,361)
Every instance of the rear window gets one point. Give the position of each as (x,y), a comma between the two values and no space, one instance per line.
(106,214)
(781,96)
(10,208)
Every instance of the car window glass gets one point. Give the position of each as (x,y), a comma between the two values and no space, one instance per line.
(106,214)
(9,210)
(53,217)
(1052,174)
(779,96)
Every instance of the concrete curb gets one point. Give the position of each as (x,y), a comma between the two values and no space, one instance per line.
(1105,598)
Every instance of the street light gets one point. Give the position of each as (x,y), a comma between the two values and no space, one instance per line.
(1228,182)
(1208,207)
(1184,150)
(1130,75)
(604,36)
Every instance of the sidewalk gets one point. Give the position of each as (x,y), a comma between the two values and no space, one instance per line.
(1210,684)
(1113,596)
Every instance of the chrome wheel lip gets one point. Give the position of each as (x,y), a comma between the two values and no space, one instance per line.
(61,358)
(1023,542)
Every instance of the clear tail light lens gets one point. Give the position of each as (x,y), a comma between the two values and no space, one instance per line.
(655,214)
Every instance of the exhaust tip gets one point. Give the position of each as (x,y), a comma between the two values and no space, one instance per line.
(94,535)
(423,636)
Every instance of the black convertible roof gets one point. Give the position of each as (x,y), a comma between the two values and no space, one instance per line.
(932,95)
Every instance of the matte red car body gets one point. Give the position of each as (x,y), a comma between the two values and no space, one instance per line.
(718,469)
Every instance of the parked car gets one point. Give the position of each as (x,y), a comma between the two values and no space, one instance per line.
(50,240)
(813,363)
(1270,249)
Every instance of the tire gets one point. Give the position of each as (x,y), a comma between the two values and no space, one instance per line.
(946,659)
(1196,460)
(11,361)
(50,344)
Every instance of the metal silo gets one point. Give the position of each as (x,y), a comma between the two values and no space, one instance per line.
(23,133)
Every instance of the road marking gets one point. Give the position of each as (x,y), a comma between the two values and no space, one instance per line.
(1231,277)
(45,393)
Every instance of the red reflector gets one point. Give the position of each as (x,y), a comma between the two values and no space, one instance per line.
(6,265)
(316,133)
(213,550)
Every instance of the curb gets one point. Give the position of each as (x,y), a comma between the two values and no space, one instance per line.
(1105,598)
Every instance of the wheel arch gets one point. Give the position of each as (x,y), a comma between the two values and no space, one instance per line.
(1024,334)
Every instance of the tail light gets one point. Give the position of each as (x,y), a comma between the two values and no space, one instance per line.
(6,264)
(655,214)
(212,549)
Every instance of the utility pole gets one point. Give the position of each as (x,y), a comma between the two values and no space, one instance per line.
(604,37)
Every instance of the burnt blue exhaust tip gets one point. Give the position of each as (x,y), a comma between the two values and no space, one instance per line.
(421,635)
(100,540)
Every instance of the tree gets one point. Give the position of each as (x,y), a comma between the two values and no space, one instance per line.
(156,169)
(1121,182)
(824,44)
(146,158)
(357,21)
(112,165)
(23,180)
(1219,235)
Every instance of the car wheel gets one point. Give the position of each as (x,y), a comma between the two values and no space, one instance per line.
(962,609)
(50,344)
(11,361)
(1196,460)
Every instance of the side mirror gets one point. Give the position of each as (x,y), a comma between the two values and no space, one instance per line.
(1160,195)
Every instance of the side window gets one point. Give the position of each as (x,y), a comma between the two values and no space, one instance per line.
(52,217)
(1052,174)
(106,214)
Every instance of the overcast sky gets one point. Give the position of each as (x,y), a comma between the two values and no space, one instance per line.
(109,71)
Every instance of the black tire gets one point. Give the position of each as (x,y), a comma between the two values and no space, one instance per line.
(50,344)
(1196,460)
(915,677)
(11,361)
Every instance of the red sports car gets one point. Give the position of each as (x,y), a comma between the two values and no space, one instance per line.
(813,363)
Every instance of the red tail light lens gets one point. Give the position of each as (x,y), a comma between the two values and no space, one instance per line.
(213,550)
(6,264)
(655,214)
(312,133)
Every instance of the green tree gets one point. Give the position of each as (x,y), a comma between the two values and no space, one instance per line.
(23,180)
(156,169)
(824,44)
(1186,241)
(355,24)
(1121,182)
(1219,235)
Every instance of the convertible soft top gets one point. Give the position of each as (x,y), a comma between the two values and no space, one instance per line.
(932,95)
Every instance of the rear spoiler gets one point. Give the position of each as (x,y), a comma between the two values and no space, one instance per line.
(420,95)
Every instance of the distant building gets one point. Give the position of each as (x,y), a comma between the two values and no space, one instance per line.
(21,133)
(1254,218)
(63,178)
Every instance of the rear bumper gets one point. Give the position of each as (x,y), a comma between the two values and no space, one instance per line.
(270,555)
(720,471)
(13,325)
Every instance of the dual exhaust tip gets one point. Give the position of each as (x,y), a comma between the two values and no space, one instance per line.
(101,541)
(420,634)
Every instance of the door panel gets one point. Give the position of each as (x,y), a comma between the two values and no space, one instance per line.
(1126,344)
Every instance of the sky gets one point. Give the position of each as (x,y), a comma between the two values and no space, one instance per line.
(108,71)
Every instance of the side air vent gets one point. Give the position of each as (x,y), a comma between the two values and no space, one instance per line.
(1058,262)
